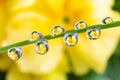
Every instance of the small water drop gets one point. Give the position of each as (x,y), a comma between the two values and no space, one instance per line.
(56,30)
(41,47)
(107,20)
(80,25)
(15,53)
(71,39)
(35,35)
(93,33)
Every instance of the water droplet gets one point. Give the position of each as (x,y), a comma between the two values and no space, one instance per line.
(35,35)
(93,33)
(107,20)
(71,39)
(15,53)
(80,25)
(56,30)
(41,47)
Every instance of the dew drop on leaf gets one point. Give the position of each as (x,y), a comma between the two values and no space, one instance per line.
(41,47)
(56,30)
(71,39)
(107,20)
(35,35)
(93,33)
(80,25)
(15,53)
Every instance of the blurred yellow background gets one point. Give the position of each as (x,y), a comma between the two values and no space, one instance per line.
(19,17)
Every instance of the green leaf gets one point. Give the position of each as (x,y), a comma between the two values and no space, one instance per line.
(116,6)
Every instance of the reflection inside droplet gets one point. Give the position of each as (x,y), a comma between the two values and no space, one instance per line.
(107,20)
(56,30)
(35,35)
(41,47)
(15,53)
(71,39)
(93,33)
(80,25)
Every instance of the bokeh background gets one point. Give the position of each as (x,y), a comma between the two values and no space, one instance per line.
(88,60)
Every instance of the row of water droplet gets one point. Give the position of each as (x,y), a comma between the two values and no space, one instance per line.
(70,39)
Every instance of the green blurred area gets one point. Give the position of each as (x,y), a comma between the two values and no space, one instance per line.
(2,75)
(116,6)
